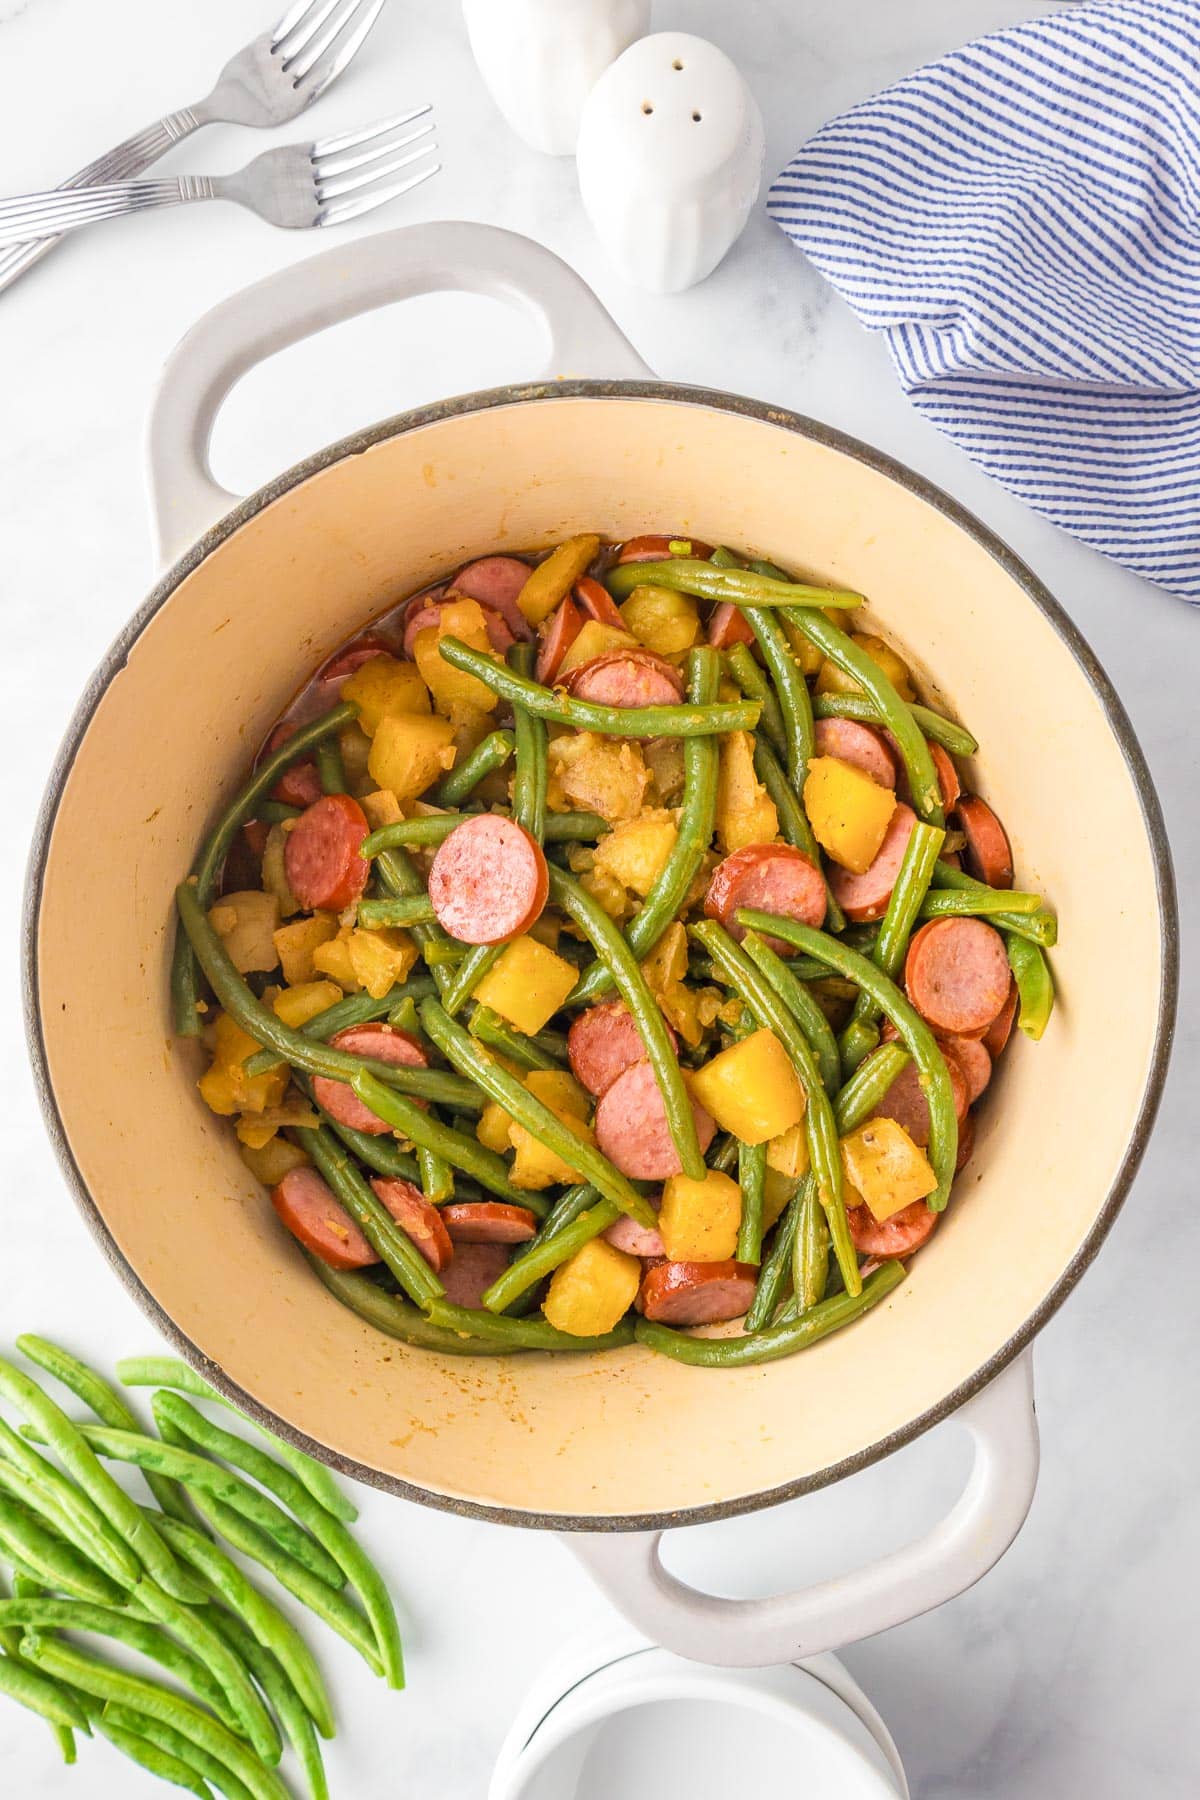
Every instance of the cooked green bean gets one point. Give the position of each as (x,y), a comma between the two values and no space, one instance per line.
(955,738)
(416,910)
(949,905)
(791,689)
(775,1340)
(484,759)
(1035,986)
(470,972)
(529,1111)
(115,1718)
(752,1175)
(553,1251)
(404,1014)
(801,1005)
(498,1034)
(868,1085)
(755,686)
(380,1153)
(437,1177)
(903,909)
(39,1485)
(708,581)
(523,1334)
(777,1264)
(575,827)
(460,1151)
(372,1218)
(207,867)
(810,1268)
(329,766)
(41,1694)
(915,1033)
(609,721)
(276,812)
(1040,925)
(275,1683)
(352,1009)
(395,870)
(395,1317)
(529,773)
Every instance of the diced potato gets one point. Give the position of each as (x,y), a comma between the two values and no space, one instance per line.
(257,1129)
(381,957)
(554,578)
(788,1153)
(832,680)
(410,752)
(527,984)
(333,959)
(297,942)
(745,811)
(271,1163)
(751,1089)
(596,774)
(595,639)
(381,807)
(226,1088)
(636,851)
(535,1166)
(607,890)
(449,686)
(592,1291)
(662,620)
(385,685)
(806,656)
(297,1005)
(698,1220)
(667,963)
(492,1129)
(849,812)
(559,1090)
(274,872)
(887,1168)
(691,1010)
(471,725)
(355,747)
(664,759)
(777,1191)
(246,923)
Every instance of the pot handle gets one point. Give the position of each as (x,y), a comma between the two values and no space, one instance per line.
(296,302)
(960,1549)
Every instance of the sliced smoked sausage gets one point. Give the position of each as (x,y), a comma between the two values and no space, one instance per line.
(626,678)
(301,784)
(947,774)
(488,881)
(966,1143)
(636,1240)
(417,1218)
(906,1103)
(597,603)
(776,878)
(974,1059)
(344,662)
(988,854)
(900,1235)
(426,615)
(472,1272)
(653,548)
(859,745)
(1000,1029)
(488,1222)
(561,629)
(727,625)
(631,1126)
(313,1213)
(603,1042)
(697,1293)
(383,1043)
(496,581)
(957,974)
(863,897)
(321,856)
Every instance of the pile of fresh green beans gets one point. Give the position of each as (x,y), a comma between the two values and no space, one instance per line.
(88,1559)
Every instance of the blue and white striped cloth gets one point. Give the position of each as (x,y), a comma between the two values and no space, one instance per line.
(1021,221)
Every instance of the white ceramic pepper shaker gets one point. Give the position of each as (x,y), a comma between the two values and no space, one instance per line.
(670,159)
(541,59)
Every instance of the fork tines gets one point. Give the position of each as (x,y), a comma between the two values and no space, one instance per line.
(352,171)
(316,39)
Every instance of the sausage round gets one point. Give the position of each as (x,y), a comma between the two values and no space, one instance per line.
(488,881)
(597,603)
(496,581)
(631,1126)
(472,1272)
(727,625)
(654,548)
(857,745)
(697,1293)
(886,1239)
(947,774)
(966,1143)
(1000,1029)
(344,662)
(384,1044)
(488,1222)
(562,628)
(957,974)
(301,784)
(603,1042)
(988,853)
(863,897)
(973,1058)
(906,1103)
(776,878)
(422,617)
(636,1240)
(625,678)
(321,856)
(417,1218)
(313,1213)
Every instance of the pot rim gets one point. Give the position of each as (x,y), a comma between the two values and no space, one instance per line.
(831,438)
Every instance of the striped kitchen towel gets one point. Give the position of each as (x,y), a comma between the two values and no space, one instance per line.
(1021,221)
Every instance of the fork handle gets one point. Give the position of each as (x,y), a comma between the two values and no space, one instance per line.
(121,163)
(58,210)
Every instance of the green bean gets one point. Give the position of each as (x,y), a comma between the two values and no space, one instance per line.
(771,1014)
(404,1014)
(411,834)
(810,1270)
(208,864)
(553,1251)
(371,1216)
(682,720)
(214,1654)
(484,759)
(41,1694)
(777,1263)
(380,1153)
(793,821)
(223,1579)
(1035,986)
(1039,926)
(54,1657)
(903,909)
(30,1544)
(389,1314)
(523,1334)
(71,1447)
(791,690)
(352,1009)
(937,729)
(416,910)
(709,581)
(437,1177)
(498,1034)
(399,878)
(470,972)
(460,1151)
(693,836)
(276,812)
(915,1033)
(752,1175)
(801,1005)
(529,775)
(724,1159)
(329,766)
(854,661)
(755,686)
(275,1683)
(775,1341)
(124,1719)
(42,1487)
(152,1757)
(575,827)
(170,1372)
(10,1647)
(868,1085)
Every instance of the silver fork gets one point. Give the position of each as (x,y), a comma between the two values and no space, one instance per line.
(300,185)
(269,82)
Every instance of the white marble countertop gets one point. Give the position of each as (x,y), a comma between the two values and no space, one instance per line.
(1067,1671)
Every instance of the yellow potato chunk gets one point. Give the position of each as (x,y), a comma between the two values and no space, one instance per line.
(789,1152)
(554,578)
(380,957)
(636,852)
(887,1168)
(381,808)
(527,984)
(449,686)
(833,680)
(297,1005)
(594,640)
(333,959)
(849,812)
(745,811)
(535,1166)
(225,1087)
(410,752)
(274,872)
(492,1129)
(751,1089)
(297,942)
(662,620)
(246,923)
(256,1130)
(698,1220)
(596,774)
(593,1290)
(385,685)
(559,1090)
(272,1160)
(777,1191)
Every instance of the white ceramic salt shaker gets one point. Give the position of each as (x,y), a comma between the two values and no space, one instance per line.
(670,159)
(541,59)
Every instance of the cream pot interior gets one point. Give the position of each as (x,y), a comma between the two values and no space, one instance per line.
(167,734)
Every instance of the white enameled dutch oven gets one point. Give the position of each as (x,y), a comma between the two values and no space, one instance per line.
(255,593)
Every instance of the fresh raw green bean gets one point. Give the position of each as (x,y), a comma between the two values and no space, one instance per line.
(437,1177)
(170,1372)
(66,1508)
(152,1757)
(755,686)
(937,729)
(553,1251)
(810,1269)
(10,1646)
(275,1683)
(417,910)
(915,1033)
(207,867)
(801,1005)
(460,1151)
(775,1341)
(77,1456)
(41,1694)
(777,1264)
(752,1175)
(372,1217)
(276,812)
(30,1544)
(1035,986)
(484,759)
(195,1633)
(682,720)
(792,691)
(329,766)
(389,1314)
(709,581)
(903,909)
(522,1334)
(575,827)
(868,1085)
(498,1034)
(123,1719)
